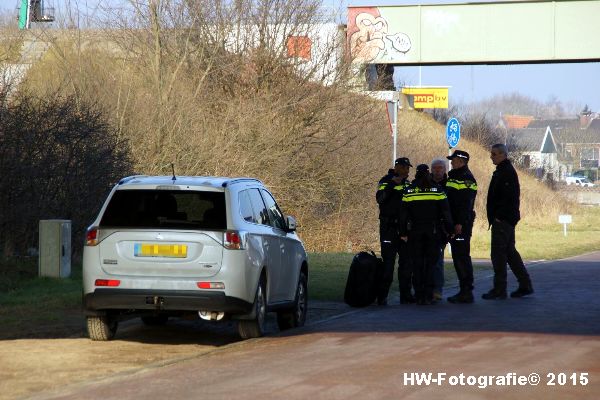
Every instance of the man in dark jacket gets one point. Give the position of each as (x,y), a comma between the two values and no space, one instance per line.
(389,198)
(503,215)
(461,189)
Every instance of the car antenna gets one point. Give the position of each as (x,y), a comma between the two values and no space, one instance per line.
(173,169)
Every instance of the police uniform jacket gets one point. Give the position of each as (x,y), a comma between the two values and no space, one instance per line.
(461,189)
(503,195)
(389,198)
(442,183)
(424,210)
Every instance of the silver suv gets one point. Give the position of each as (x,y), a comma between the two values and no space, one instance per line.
(171,246)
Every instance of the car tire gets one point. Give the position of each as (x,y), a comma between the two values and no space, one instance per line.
(253,328)
(155,320)
(102,328)
(295,317)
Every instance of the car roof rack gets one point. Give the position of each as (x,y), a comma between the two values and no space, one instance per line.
(128,178)
(235,180)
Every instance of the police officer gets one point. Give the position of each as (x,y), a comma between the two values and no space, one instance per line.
(425,209)
(389,198)
(461,189)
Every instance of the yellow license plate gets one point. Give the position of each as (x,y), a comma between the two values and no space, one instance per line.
(160,250)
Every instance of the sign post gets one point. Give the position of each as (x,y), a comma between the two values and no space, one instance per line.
(565,219)
(392,113)
(452,135)
(24,15)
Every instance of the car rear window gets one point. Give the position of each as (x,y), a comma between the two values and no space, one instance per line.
(166,209)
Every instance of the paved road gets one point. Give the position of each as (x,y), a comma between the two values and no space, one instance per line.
(370,353)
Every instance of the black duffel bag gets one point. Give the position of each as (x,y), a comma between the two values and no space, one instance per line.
(363,279)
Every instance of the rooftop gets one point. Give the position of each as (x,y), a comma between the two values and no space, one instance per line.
(529,139)
(577,136)
(516,121)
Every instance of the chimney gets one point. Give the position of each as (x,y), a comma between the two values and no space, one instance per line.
(585,120)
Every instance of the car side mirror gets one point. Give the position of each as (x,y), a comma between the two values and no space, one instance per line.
(291,223)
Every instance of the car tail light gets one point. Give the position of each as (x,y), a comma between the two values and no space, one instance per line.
(107,282)
(211,285)
(91,237)
(234,240)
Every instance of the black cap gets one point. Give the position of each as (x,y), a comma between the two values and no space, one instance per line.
(422,168)
(460,154)
(403,161)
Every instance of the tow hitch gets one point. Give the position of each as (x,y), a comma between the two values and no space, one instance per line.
(156,301)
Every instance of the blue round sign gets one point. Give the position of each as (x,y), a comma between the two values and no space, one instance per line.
(453,132)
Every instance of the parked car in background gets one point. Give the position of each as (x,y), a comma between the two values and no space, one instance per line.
(579,181)
(208,247)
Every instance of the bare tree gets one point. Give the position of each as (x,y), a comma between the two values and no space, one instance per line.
(479,128)
(58,159)
(516,103)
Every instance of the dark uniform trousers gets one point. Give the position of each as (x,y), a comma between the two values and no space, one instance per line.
(424,252)
(504,251)
(462,190)
(461,257)
(392,246)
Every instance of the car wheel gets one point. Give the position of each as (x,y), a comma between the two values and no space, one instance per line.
(296,316)
(255,327)
(102,328)
(155,320)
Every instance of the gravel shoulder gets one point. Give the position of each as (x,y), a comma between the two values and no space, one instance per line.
(61,355)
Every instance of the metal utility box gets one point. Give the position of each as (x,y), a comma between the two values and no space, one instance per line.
(55,248)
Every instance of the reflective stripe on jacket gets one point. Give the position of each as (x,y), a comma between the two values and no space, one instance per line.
(461,189)
(389,198)
(425,208)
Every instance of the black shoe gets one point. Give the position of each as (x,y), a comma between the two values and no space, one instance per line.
(522,291)
(408,299)
(382,302)
(462,297)
(494,295)
(424,302)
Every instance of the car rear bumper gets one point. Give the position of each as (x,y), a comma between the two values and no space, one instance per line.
(144,299)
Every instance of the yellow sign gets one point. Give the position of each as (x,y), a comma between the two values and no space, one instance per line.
(428,97)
